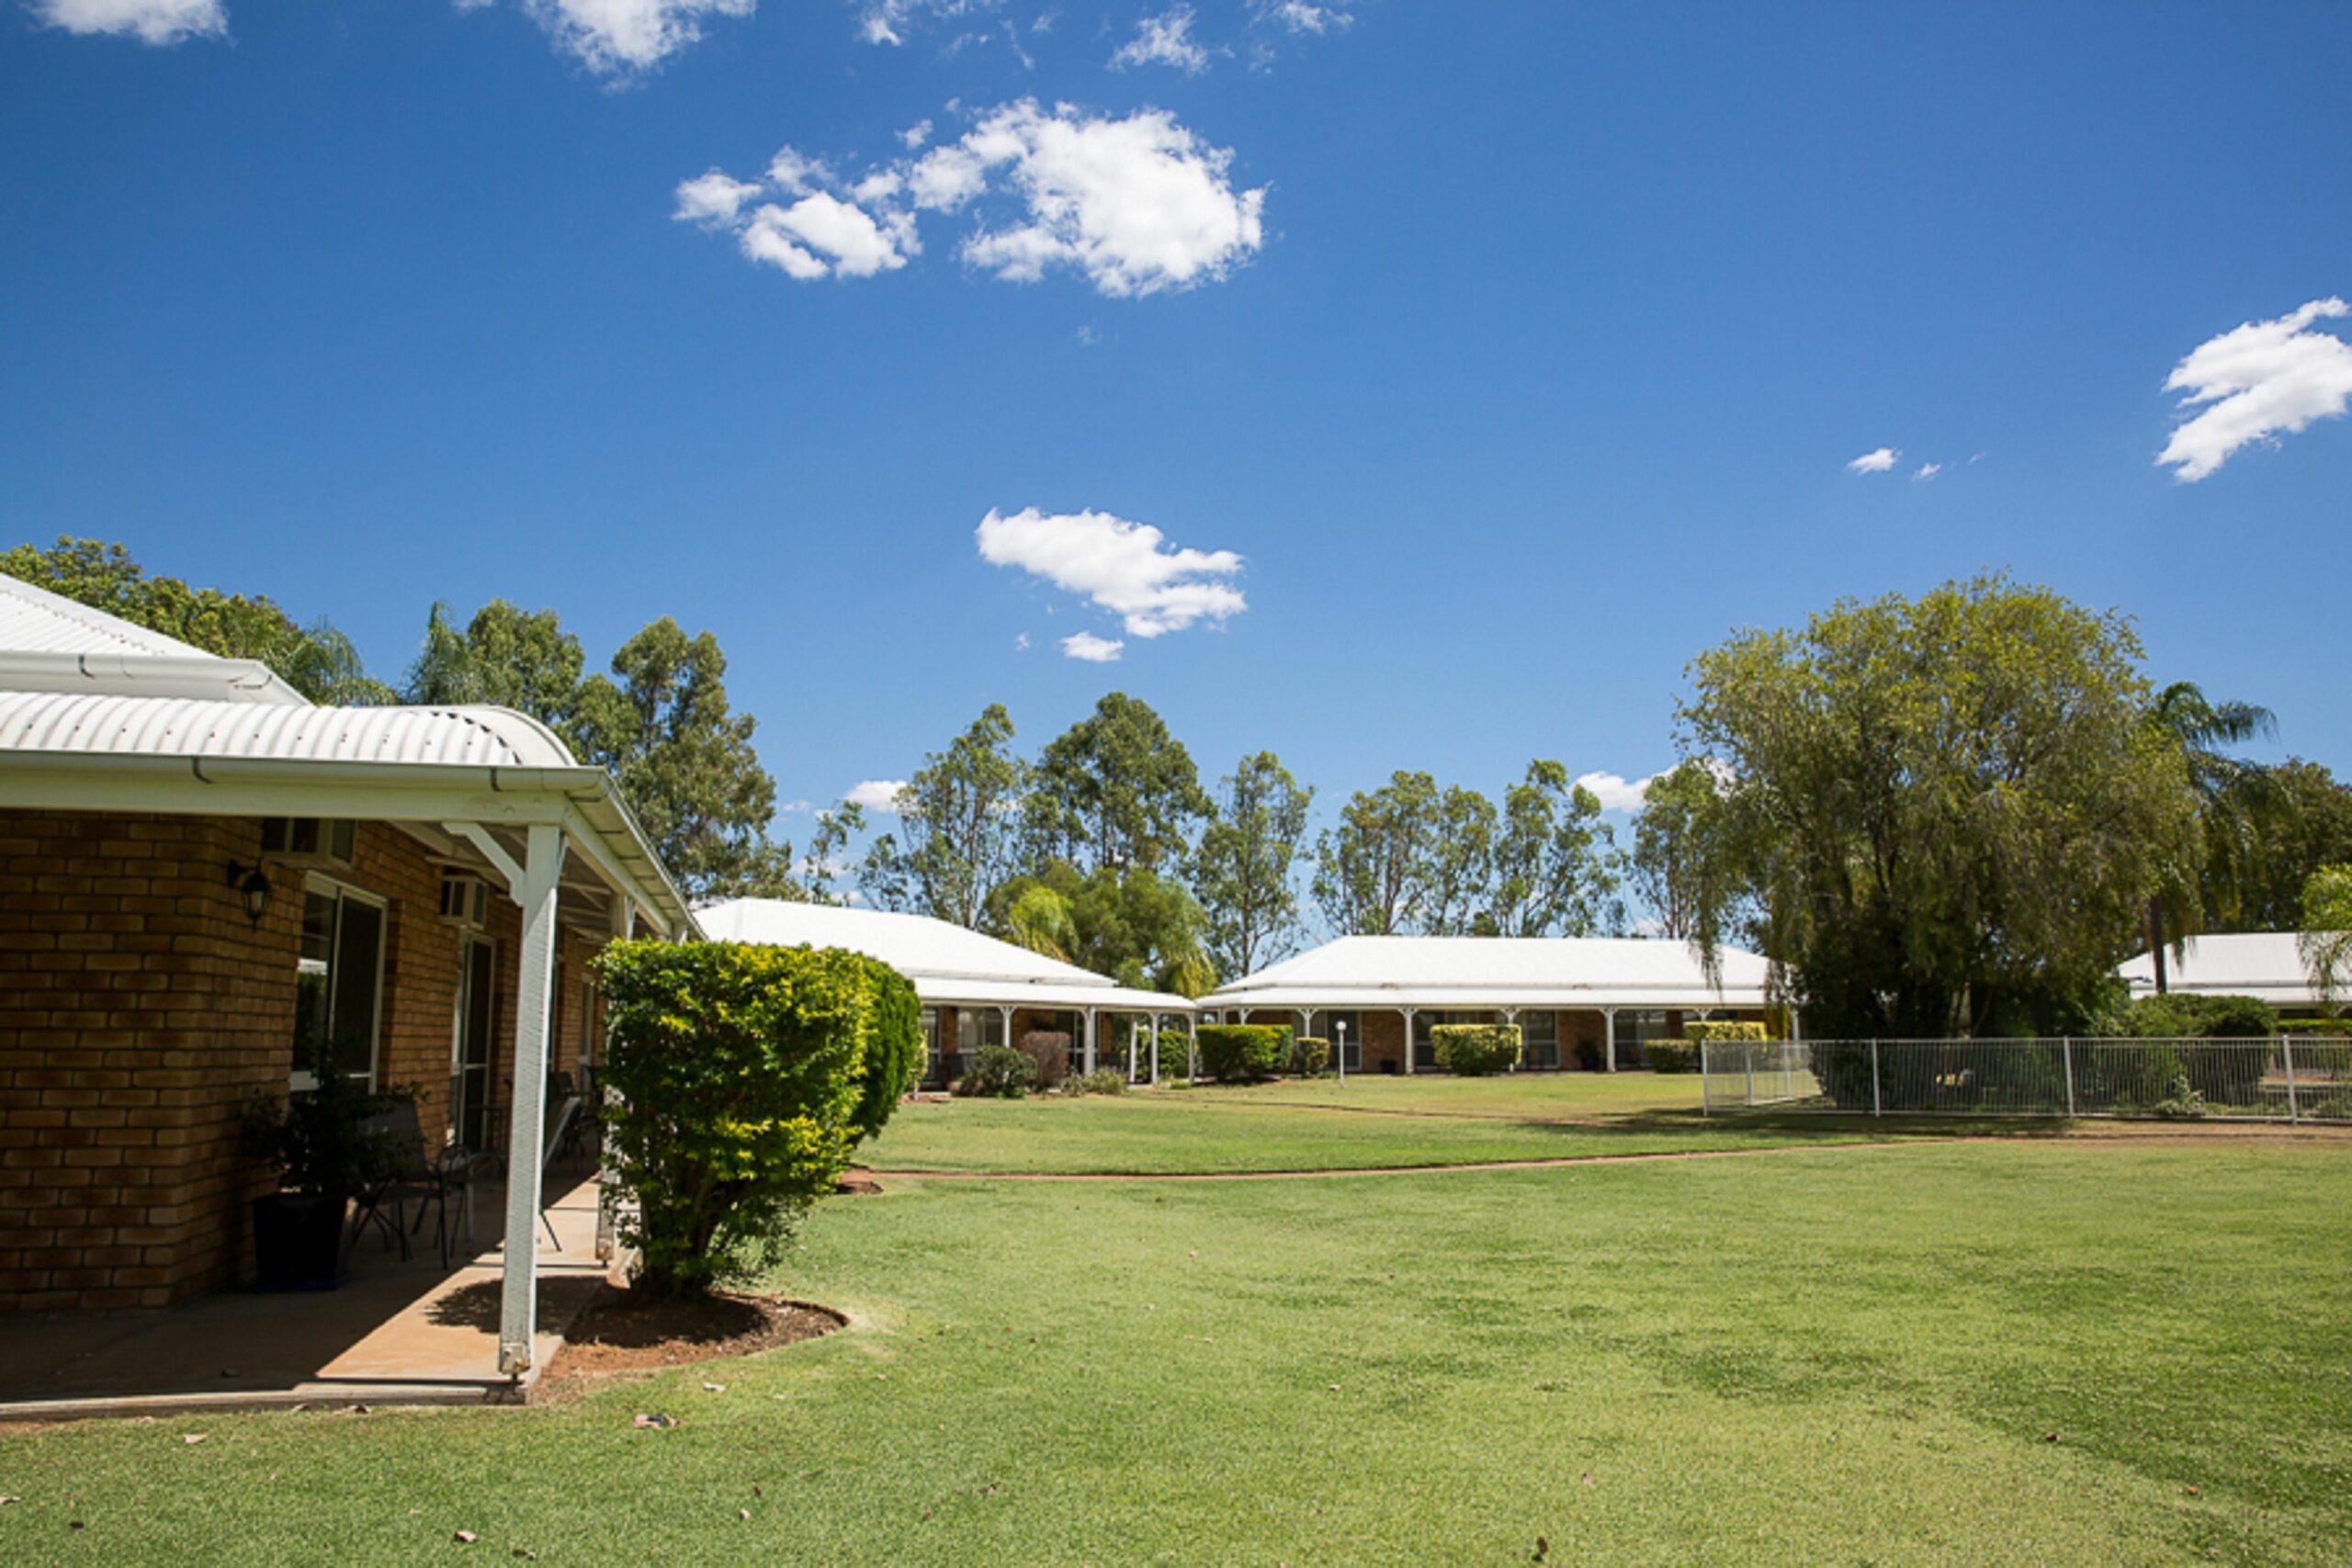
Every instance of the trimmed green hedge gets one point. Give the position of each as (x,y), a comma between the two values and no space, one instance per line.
(1234,1052)
(1671,1055)
(1473,1050)
(1312,1057)
(1175,1054)
(1723,1029)
(746,1074)
(2315,1026)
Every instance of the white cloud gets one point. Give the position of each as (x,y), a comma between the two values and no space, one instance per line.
(2258,380)
(1928,470)
(622,37)
(150,21)
(888,21)
(1304,15)
(1164,40)
(713,198)
(1092,649)
(1615,792)
(915,135)
(1119,565)
(1139,205)
(878,794)
(1876,462)
(1020,642)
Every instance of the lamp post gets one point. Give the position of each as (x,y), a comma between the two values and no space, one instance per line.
(1339,1027)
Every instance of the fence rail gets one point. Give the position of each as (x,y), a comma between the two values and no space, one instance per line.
(2285,1078)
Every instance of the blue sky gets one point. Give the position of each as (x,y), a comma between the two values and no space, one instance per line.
(1519,351)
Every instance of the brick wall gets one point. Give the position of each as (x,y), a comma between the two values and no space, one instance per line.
(141,1009)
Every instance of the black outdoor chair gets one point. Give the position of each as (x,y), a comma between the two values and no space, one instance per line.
(427,1180)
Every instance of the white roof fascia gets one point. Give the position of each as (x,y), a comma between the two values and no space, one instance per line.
(147,675)
(1482,998)
(939,990)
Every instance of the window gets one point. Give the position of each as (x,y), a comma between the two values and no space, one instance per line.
(977,1027)
(308,837)
(339,980)
(934,1069)
(1539,1039)
(1635,1028)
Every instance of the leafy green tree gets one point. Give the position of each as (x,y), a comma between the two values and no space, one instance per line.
(1244,868)
(2326,934)
(317,660)
(684,761)
(509,656)
(960,813)
(1369,870)
(2307,825)
(2233,795)
(1140,928)
(1949,812)
(1116,790)
(828,860)
(1555,871)
(1672,835)
(1456,879)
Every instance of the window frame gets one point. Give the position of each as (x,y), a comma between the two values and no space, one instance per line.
(298,1079)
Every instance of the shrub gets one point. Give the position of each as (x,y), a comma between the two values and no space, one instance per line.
(1049,1054)
(1311,1057)
(2180,1101)
(2301,1026)
(1589,1055)
(1473,1050)
(2234,1018)
(746,1076)
(1103,1081)
(1672,1055)
(1175,1054)
(1723,1029)
(997,1072)
(1233,1053)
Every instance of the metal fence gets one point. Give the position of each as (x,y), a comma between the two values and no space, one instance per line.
(2288,1079)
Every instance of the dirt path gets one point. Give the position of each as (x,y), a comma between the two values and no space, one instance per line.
(2340,1138)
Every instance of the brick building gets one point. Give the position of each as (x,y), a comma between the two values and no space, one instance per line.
(193,859)
(1577,1000)
(976,991)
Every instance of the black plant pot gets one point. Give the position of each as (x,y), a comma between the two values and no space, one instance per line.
(300,1242)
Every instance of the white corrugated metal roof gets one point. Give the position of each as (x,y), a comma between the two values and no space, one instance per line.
(1478,972)
(2268,965)
(53,644)
(182,726)
(946,963)
(34,620)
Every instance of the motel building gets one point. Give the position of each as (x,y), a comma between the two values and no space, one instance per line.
(977,991)
(1579,1001)
(199,868)
(2267,966)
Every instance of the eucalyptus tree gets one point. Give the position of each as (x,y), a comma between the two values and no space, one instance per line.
(1555,866)
(1244,870)
(1370,867)
(1668,867)
(1116,790)
(2325,939)
(1456,879)
(1945,815)
(961,820)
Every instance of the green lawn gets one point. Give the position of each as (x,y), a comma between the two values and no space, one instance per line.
(1323,1126)
(1815,1355)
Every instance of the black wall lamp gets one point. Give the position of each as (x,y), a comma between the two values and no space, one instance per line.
(253,888)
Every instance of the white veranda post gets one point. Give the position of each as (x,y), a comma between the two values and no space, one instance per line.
(534,884)
(1090,1042)
(1155,1050)
(1408,1039)
(1609,1035)
(1510,1021)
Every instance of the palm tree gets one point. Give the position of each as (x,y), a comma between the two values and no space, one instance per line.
(2232,795)
(1040,921)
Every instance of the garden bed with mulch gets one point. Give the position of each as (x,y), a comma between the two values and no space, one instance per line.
(619,1335)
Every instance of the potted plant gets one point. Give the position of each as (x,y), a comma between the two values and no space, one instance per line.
(326,1150)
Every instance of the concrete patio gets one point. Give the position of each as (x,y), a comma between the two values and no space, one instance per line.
(399,1333)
